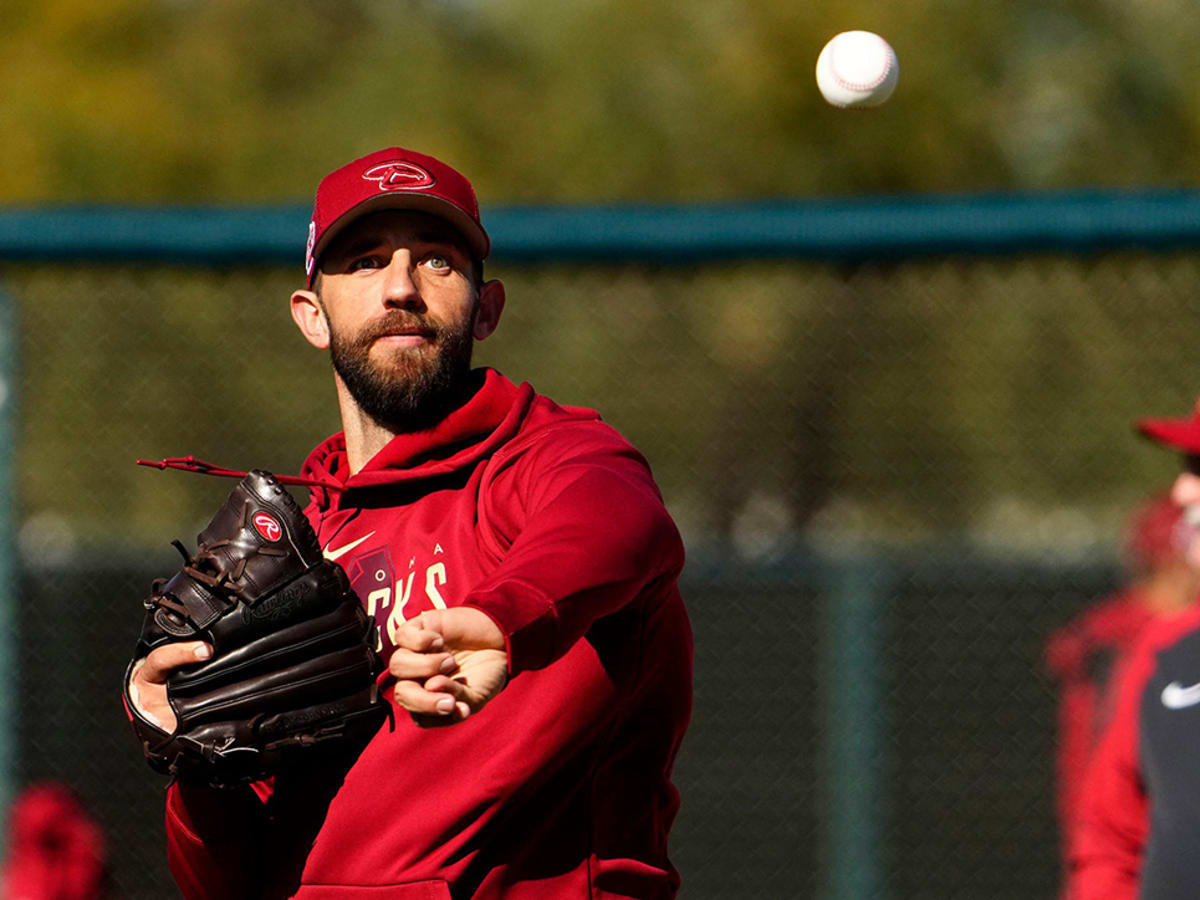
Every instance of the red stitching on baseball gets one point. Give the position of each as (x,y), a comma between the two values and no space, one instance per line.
(856,85)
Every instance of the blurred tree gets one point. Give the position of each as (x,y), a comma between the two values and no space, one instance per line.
(245,101)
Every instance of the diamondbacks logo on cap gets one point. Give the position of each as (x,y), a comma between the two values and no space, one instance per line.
(308,248)
(267,526)
(399,175)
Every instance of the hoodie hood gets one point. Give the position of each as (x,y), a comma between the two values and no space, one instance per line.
(474,430)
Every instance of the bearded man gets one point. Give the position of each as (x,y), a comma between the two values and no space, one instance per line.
(521,568)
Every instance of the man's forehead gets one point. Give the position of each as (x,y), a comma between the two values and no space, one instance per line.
(398,225)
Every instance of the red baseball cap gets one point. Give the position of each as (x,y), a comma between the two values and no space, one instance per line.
(393,178)
(1181,434)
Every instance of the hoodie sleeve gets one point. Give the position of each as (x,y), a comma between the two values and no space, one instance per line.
(583,532)
(213,841)
(1108,840)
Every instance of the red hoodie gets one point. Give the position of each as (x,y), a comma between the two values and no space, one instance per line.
(1088,656)
(549,521)
(1138,828)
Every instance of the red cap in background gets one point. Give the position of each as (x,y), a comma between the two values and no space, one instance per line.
(55,848)
(393,178)
(1181,434)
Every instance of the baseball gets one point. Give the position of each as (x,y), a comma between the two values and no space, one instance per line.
(857,69)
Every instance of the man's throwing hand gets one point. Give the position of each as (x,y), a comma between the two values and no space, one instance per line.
(448,664)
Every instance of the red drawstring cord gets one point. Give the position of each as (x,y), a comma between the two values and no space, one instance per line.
(191,464)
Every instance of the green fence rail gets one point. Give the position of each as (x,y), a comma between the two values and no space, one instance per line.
(832,229)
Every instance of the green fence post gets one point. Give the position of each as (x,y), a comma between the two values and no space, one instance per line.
(9,595)
(852,706)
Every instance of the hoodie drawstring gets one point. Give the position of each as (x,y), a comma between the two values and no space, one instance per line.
(191,464)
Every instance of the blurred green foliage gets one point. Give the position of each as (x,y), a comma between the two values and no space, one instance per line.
(251,101)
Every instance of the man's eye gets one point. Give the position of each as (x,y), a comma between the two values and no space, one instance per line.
(363,262)
(438,262)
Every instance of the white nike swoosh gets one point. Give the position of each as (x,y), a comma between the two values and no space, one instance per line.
(1176,696)
(331,555)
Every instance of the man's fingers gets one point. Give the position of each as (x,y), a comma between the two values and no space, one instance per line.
(415,698)
(441,684)
(405,663)
(447,664)
(458,628)
(411,636)
(163,660)
(147,685)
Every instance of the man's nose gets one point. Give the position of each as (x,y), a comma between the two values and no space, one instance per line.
(399,287)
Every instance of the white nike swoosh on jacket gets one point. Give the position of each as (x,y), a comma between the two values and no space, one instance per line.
(332,555)
(1176,696)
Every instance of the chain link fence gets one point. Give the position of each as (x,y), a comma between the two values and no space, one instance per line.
(894,479)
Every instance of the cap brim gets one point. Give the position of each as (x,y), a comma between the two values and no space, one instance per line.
(1180,434)
(477,239)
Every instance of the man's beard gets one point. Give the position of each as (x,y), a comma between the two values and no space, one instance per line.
(415,388)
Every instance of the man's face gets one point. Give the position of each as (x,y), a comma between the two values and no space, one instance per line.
(1185,492)
(397,291)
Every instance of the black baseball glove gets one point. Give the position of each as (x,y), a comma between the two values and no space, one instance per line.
(293,661)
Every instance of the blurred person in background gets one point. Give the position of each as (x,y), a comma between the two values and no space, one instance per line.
(1087,654)
(1136,831)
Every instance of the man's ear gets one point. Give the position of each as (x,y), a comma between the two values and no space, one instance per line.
(310,319)
(487,313)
